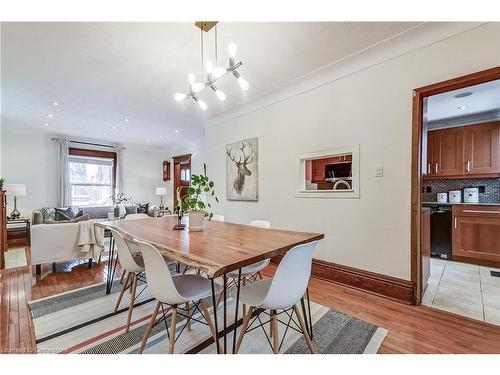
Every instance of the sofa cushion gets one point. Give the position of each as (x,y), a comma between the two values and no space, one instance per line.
(48,213)
(74,220)
(66,213)
(142,208)
(130,210)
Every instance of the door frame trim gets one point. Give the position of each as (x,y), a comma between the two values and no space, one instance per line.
(419,94)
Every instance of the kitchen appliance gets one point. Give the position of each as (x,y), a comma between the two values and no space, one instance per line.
(455,196)
(440,231)
(471,195)
(442,197)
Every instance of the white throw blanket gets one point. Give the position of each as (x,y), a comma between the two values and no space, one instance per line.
(90,238)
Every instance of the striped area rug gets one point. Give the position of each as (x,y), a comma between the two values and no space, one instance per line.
(82,321)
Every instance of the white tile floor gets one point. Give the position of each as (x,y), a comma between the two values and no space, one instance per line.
(464,289)
(15,258)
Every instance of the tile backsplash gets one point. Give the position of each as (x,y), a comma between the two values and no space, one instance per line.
(491,193)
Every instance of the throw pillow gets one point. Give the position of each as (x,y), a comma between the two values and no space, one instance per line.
(66,213)
(142,208)
(130,210)
(74,220)
(48,213)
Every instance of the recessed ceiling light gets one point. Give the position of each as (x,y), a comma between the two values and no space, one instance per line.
(176,131)
(462,107)
(161,136)
(114,127)
(463,94)
(125,119)
(46,124)
(55,104)
(51,115)
(147,140)
(105,133)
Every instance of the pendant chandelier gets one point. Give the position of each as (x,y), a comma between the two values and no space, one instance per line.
(211,71)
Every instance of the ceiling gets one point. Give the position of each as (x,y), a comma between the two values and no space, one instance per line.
(116,81)
(484,97)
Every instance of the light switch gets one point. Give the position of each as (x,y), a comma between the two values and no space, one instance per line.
(379,172)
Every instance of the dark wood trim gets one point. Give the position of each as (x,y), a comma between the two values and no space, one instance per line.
(178,161)
(73,151)
(480,262)
(186,158)
(381,285)
(461,176)
(3,228)
(416,159)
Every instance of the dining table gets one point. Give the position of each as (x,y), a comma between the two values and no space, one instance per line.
(218,249)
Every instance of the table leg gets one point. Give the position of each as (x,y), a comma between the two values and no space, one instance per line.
(225,313)
(214,304)
(236,310)
(109,276)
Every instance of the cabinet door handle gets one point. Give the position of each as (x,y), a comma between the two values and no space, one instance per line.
(436,168)
(456,223)
(468,165)
(481,212)
(429,168)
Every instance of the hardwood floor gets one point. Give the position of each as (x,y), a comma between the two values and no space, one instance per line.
(411,329)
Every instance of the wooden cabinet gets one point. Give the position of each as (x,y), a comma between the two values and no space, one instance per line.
(318,166)
(3,228)
(476,233)
(482,148)
(464,152)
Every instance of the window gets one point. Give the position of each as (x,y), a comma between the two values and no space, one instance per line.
(92,177)
(332,173)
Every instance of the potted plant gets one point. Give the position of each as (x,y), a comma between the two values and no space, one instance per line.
(2,182)
(192,202)
(118,199)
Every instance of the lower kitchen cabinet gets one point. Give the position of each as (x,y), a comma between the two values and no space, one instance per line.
(476,233)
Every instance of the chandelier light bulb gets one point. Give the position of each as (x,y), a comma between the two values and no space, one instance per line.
(232,49)
(220,94)
(243,83)
(191,78)
(202,104)
(179,97)
(218,72)
(209,65)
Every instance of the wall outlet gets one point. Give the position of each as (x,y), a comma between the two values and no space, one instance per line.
(379,171)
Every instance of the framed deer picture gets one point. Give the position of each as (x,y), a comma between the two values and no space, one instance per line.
(242,173)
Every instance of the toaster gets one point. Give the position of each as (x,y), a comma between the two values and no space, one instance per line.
(471,195)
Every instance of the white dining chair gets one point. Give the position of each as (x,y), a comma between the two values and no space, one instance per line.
(218,218)
(133,265)
(174,291)
(282,292)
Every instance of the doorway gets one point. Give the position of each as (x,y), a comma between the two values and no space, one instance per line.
(450,135)
(182,177)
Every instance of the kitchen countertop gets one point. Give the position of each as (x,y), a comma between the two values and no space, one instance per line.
(465,204)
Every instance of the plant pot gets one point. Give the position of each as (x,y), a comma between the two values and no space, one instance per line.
(116,211)
(196,220)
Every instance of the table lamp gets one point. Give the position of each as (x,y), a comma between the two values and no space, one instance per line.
(161,191)
(15,190)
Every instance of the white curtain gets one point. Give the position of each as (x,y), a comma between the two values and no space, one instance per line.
(119,168)
(63,185)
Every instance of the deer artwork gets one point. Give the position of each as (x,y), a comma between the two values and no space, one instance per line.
(243,171)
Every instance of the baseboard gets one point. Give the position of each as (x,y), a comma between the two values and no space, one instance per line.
(385,286)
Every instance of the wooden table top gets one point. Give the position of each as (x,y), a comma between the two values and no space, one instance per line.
(221,247)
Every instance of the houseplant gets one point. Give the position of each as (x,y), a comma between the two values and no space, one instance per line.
(193,203)
(118,199)
(2,182)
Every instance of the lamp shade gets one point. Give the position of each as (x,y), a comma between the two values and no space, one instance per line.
(15,189)
(161,191)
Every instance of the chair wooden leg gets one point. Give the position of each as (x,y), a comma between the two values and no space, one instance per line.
(274,320)
(304,329)
(173,324)
(260,275)
(209,320)
(150,326)
(131,304)
(119,300)
(243,282)
(123,276)
(244,326)
(188,323)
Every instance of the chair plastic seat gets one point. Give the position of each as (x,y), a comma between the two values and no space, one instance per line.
(254,293)
(193,287)
(251,269)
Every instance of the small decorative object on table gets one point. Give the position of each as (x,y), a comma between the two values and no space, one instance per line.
(161,191)
(193,204)
(117,200)
(15,190)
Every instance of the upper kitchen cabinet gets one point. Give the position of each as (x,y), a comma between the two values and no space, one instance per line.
(464,152)
(482,149)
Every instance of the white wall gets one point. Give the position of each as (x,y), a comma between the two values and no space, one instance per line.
(370,106)
(29,157)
